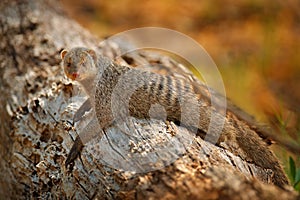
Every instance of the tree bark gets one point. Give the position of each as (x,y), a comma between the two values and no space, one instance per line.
(38,104)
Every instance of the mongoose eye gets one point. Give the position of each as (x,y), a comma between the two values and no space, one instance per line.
(83,63)
(68,64)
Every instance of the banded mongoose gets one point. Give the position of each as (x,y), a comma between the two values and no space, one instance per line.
(99,77)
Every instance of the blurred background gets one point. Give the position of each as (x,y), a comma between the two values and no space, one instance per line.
(254,43)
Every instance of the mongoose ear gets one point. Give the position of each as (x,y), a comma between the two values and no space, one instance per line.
(92,53)
(63,53)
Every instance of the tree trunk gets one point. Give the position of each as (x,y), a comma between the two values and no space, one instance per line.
(37,131)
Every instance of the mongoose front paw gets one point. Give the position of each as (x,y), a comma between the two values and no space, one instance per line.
(74,152)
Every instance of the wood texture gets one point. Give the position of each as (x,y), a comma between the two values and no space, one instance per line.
(38,107)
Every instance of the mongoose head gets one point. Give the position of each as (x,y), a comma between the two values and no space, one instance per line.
(79,63)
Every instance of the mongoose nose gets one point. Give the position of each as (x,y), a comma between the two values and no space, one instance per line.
(74,76)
